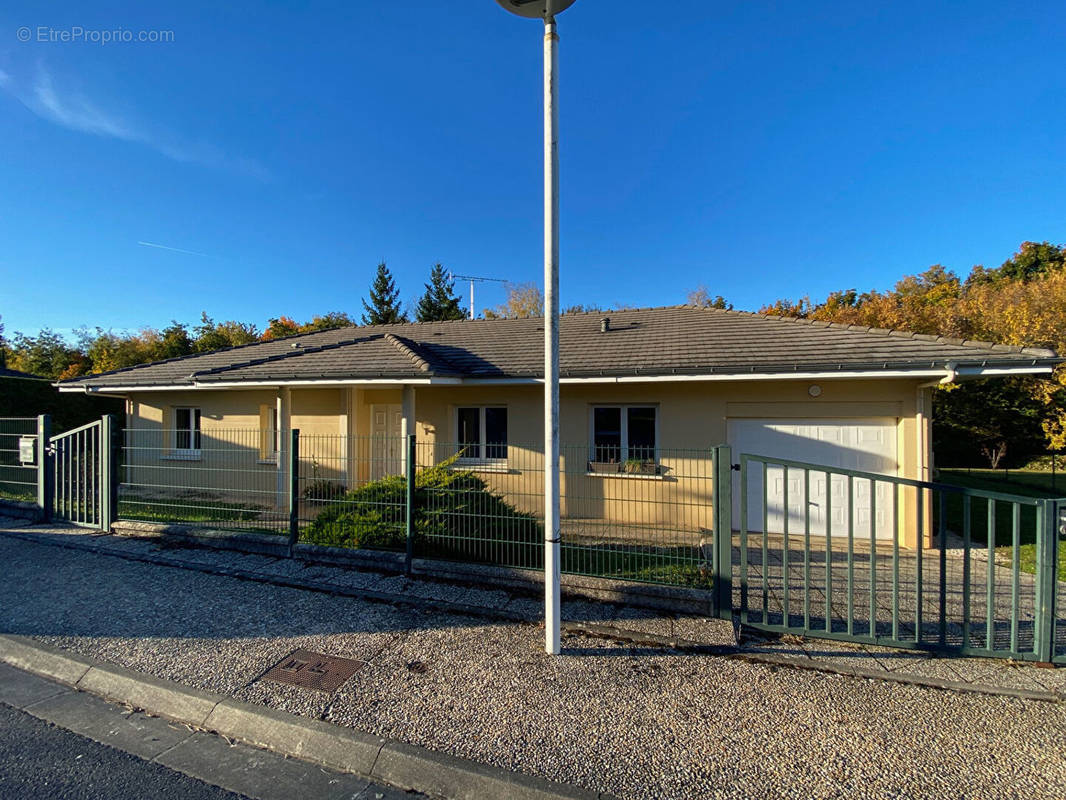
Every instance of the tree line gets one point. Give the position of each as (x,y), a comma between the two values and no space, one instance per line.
(1021,302)
(51,355)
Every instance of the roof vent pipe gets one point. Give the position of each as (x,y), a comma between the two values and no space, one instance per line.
(605,324)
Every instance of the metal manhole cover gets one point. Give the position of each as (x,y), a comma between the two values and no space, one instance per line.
(313,670)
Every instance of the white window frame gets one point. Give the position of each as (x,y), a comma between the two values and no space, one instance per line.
(275,426)
(625,429)
(480,459)
(195,433)
(274,432)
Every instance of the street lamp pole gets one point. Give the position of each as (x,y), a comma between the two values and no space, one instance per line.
(546,10)
(552,570)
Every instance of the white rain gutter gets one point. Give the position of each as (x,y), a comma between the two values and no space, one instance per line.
(923,420)
(949,376)
(942,376)
(189,387)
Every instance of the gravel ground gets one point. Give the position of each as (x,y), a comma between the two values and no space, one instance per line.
(641,723)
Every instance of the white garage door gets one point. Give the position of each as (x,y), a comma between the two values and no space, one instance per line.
(867,445)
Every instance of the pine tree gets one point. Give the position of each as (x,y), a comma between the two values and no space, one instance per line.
(439,302)
(384,306)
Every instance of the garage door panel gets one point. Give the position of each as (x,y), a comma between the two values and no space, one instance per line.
(860,445)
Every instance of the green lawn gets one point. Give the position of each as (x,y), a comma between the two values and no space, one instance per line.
(238,516)
(17,493)
(1021,484)
(1027,483)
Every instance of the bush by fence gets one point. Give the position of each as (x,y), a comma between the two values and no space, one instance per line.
(648,524)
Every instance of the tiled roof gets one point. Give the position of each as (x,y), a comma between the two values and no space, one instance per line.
(681,340)
(14,373)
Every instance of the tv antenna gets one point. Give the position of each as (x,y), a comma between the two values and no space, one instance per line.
(474,279)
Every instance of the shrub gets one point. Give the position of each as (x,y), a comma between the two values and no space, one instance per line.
(455,515)
(323,489)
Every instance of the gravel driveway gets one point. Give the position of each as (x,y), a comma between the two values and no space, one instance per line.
(640,723)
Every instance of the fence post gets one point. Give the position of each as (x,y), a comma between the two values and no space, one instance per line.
(108,472)
(1046,581)
(45,471)
(294,489)
(722,498)
(409,470)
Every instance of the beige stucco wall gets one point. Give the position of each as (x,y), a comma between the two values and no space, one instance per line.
(234,463)
(335,425)
(229,467)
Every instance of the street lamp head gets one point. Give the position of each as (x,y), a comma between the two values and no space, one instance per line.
(536,9)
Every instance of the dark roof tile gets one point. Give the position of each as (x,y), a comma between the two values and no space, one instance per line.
(663,341)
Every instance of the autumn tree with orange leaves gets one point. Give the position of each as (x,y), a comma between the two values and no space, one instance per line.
(1022,302)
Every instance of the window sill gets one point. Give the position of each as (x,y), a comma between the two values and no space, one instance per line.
(484,466)
(271,462)
(190,456)
(630,476)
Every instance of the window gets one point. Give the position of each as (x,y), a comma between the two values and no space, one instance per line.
(187,430)
(269,433)
(482,433)
(624,433)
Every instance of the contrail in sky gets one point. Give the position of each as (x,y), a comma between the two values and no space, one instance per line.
(173,249)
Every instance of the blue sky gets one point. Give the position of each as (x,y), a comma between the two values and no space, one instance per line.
(762,149)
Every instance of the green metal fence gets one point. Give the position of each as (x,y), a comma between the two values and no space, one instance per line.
(229,478)
(648,521)
(18,478)
(865,557)
(784,545)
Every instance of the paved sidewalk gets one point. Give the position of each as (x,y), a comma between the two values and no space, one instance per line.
(635,721)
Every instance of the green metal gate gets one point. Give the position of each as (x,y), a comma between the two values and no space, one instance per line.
(80,464)
(841,554)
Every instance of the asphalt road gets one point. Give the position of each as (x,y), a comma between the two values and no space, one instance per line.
(39,760)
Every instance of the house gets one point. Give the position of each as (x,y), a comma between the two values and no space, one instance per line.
(645,394)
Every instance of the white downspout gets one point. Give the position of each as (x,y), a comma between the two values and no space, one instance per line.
(923,417)
(923,421)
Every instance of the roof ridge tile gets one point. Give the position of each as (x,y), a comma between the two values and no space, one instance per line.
(409,349)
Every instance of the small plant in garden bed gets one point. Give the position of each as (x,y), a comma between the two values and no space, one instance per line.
(640,466)
(323,490)
(604,467)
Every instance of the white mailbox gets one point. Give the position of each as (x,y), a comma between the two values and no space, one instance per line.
(28,450)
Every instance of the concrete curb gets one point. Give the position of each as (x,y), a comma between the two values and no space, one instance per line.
(403,765)
(51,662)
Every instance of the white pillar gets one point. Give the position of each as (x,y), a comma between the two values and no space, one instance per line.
(283,399)
(407,421)
(552,622)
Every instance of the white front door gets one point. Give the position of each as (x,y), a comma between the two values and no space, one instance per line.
(386,435)
(865,445)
